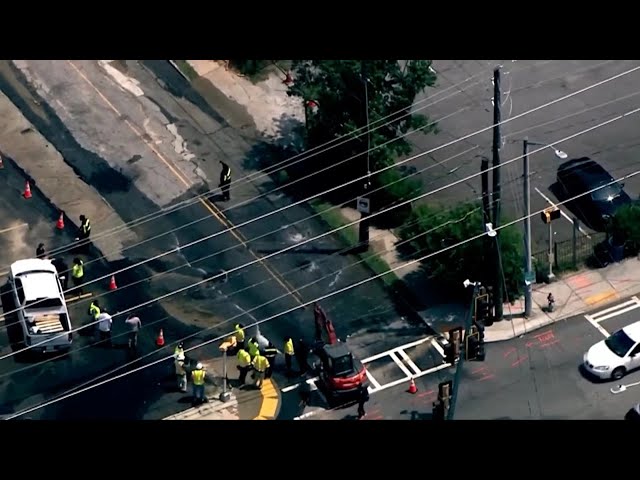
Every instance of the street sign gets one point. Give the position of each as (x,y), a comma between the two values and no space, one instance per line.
(529,278)
(364,205)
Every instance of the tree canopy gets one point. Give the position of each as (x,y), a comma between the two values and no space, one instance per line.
(339,100)
(430,229)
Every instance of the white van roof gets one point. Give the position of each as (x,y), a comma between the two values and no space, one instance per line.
(39,284)
(30,265)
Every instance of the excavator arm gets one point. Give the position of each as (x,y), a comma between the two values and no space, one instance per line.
(324,327)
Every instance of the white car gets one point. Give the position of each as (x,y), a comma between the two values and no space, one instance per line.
(42,309)
(616,355)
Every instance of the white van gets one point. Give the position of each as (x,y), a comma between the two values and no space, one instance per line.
(42,312)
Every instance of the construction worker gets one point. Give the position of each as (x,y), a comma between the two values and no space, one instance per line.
(289,352)
(225,180)
(239,328)
(197,377)
(178,351)
(244,365)
(63,272)
(134,324)
(260,365)
(302,353)
(40,253)
(363,397)
(270,354)
(83,234)
(181,373)
(104,328)
(94,311)
(253,347)
(77,274)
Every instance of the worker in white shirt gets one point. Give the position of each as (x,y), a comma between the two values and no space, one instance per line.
(104,328)
(134,325)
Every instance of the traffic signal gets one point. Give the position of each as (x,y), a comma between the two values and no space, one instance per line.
(482,307)
(550,214)
(452,350)
(474,348)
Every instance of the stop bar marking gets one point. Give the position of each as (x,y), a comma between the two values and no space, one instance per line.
(562,212)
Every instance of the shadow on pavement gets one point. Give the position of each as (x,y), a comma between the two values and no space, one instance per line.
(415,415)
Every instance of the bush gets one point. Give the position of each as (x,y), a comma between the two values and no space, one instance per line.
(250,68)
(429,229)
(625,226)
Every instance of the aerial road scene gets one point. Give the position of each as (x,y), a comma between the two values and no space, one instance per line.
(319,240)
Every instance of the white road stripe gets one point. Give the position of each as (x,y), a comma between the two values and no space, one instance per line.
(599,327)
(615,314)
(372,380)
(9,229)
(562,212)
(409,362)
(438,347)
(400,365)
(613,309)
(402,347)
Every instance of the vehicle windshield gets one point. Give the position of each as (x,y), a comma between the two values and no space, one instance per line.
(619,343)
(43,303)
(607,193)
(342,365)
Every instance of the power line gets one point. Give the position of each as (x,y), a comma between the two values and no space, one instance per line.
(323,297)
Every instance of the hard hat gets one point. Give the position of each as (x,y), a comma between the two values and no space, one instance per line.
(199,366)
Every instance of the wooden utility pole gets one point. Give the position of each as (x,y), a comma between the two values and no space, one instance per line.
(497,140)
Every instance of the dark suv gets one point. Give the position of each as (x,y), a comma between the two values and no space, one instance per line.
(583,174)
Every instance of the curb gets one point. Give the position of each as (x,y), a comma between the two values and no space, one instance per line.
(265,413)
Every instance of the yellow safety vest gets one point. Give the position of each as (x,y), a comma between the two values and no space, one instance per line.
(260,363)
(198,377)
(254,349)
(226,174)
(288,347)
(86,227)
(94,311)
(244,359)
(239,334)
(177,352)
(78,270)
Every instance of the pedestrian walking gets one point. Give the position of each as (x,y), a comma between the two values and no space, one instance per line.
(244,365)
(63,272)
(363,397)
(225,180)
(270,353)
(197,378)
(104,328)
(288,353)
(181,373)
(77,274)
(240,336)
(84,232)
(40,252)
(260,366)
(134,324)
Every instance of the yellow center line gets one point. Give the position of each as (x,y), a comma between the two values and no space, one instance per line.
(206,203)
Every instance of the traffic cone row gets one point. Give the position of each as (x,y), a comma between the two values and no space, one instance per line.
(27,190)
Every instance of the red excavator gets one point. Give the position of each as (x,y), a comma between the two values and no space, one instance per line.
(339,372)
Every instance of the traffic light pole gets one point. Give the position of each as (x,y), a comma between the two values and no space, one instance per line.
(463,353)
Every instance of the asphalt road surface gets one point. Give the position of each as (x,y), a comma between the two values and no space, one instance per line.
(526,85)
(97,124)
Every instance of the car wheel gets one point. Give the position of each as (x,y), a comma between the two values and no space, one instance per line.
(618,373)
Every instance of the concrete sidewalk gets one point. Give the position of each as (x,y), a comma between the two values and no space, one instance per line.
(575,294)
(246,403)
(59,183)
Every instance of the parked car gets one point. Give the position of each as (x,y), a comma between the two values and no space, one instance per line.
(615,356)
(583,174)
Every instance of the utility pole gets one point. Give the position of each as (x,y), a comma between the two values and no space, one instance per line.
(528,281)
(497,140)
(484,169)
(364,202)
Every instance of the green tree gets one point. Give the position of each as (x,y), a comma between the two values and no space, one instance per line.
(429,229)
(338,89)
(625,226)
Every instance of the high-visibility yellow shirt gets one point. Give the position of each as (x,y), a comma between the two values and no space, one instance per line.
(198,377)
(254,349)
(288,347)
(78,270)
(94,310)
(86,227)
(260,363)
(239,334)
(178,352)
(244,359)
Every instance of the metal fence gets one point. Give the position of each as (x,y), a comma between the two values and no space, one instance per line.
(568,254)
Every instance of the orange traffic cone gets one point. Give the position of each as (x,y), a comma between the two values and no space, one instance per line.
(160,339)
(60,222)
(112,283)
(412,387)
(27,190)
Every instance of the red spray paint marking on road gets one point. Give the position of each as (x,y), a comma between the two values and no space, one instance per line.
(478,370)
(545,336)
(509,352)
(519,361)
(548,344)
(423,394)
(486,377)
